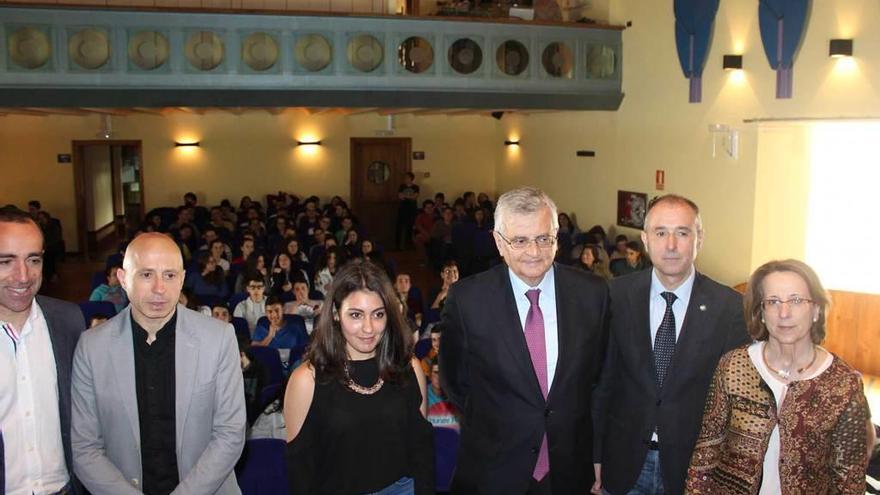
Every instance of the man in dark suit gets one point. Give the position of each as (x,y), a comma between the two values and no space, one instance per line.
(520,351)
(669,326)
(39,335)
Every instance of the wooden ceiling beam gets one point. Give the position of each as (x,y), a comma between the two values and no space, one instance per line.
(59,111)
(117,112)
(22,111)
(149,111)
(396,111)
(359,111)
(192,110)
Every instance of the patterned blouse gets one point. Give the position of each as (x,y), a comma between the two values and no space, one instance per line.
(822,428)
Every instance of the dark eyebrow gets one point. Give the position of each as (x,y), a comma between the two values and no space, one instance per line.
(29,255)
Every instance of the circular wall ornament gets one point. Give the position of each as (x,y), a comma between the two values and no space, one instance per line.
(148,49)
(313,52)
(259,51)
(365,53)
(415,54)
(465,56)
(558,60)
(89,48)
(204,50)
(29,48)
(512,57)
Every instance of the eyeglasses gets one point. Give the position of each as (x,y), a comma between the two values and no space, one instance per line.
(794,303)
(519,243)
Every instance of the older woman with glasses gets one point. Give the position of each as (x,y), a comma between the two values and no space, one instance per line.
(783,415)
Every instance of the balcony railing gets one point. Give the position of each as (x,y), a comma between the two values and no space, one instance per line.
(100,57)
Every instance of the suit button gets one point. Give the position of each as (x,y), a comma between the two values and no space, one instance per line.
(548,412)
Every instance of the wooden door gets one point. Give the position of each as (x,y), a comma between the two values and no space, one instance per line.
(378,166)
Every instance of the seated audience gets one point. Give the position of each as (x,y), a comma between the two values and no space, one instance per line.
(302,305)
(279,334)
(110,290)
(254,266)
(594,259)
(281,275)
(220,311)
(411,296)
(352,245)
(254,306)
(448,276)
(208,280)
(326,270)
(783,415)
(619,251)
(217,250)
(246,248)
(566,226)
(432,353)
(635,261)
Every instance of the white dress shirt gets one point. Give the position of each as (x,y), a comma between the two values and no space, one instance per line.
(679,307)
(657,307)
(29,414)
(547,303)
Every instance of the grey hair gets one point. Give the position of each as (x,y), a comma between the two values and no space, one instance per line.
(524,201)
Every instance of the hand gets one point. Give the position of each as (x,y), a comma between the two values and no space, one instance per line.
(597,485)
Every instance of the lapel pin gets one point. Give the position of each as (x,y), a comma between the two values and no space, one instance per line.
(702,307)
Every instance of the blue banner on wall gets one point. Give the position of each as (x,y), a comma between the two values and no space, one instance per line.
(694,21)
(783,23)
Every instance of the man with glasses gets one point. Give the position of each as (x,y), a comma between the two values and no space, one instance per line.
(520,351)
(254,306)
(669,326)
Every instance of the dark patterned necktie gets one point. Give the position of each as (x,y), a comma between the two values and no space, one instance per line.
(664,341)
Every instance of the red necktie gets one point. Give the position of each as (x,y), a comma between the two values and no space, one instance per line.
(534,332)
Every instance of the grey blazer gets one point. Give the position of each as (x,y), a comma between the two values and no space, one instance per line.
(210,410)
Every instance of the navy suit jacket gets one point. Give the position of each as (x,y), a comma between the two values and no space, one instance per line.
(628,406)
(66,323)
(487,372)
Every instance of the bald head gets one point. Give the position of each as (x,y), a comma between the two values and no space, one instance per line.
(152,276)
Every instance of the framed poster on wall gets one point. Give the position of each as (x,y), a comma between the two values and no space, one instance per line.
(631,208)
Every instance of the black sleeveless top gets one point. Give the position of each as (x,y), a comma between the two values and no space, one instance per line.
(352,443)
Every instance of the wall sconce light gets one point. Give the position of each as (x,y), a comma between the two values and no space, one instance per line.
(308,143)
(511,143)
(189,144)
(732,62)
(840,48)
(729,137)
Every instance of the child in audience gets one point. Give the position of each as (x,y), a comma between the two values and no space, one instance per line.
(434,351)
(209,280)
(326,269)
(254,307)
(414,306)
(278,334)
(110,291)
(220,311)
(302,305)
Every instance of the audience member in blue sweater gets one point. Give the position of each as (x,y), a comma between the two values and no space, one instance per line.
(279,334)
(110,291)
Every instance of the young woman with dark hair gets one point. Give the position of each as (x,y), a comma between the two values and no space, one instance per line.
(355,409)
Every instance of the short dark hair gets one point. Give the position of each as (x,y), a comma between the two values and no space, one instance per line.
(273,300)
(254,277)
(427,202)
(190,195)
(36,204)
(620,238)
(12,214)
(220,304)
